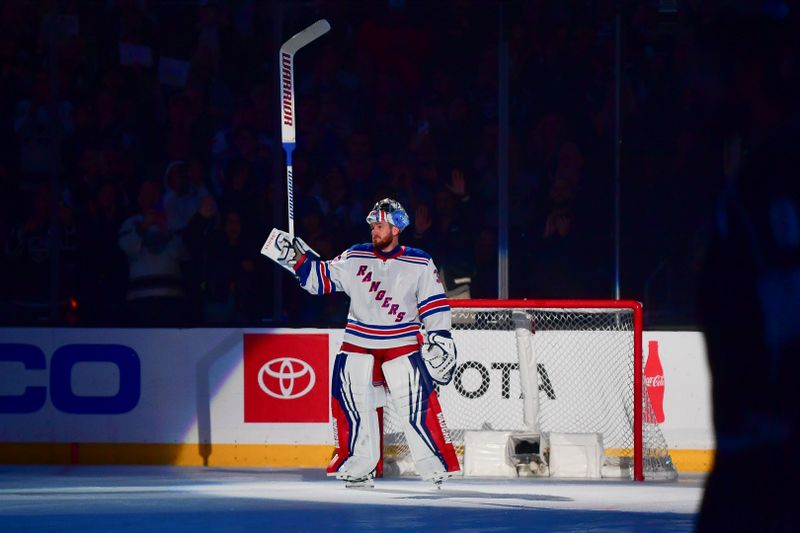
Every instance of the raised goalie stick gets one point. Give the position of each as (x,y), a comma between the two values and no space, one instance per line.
(278,245)
(286,61)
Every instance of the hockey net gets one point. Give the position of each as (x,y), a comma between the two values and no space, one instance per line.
(589,376)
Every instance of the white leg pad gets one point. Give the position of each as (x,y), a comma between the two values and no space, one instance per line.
(357,396)
(414,401)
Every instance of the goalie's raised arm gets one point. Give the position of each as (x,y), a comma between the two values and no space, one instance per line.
(292,253)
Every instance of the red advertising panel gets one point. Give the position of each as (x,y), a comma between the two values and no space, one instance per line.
(286,377)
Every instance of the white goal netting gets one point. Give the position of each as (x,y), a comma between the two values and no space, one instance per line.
(585,366)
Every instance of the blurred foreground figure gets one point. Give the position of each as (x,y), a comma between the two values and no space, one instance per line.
(749,298)
(750,307)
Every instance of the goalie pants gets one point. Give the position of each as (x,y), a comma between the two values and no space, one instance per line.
(355,402)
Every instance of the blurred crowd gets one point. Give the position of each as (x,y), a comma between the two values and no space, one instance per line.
(142,166)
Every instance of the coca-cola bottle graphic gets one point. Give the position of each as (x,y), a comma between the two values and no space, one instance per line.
(654,381)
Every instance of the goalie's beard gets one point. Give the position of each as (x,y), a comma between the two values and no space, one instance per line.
(382,244)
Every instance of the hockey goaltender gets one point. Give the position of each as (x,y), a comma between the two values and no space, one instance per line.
(395,293)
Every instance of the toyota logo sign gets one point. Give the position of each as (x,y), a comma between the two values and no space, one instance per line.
(286,377)
(282,378)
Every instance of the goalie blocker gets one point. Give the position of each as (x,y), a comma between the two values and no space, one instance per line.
(284,249)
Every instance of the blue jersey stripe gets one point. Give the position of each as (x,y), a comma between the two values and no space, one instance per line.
(389,327)
(318,270)
(412,262)
(380,337)
(426,314)
(439,296)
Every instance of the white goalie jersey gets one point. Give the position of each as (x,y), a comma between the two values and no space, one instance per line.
(392,295)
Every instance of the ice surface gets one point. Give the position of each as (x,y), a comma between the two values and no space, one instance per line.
(151,498)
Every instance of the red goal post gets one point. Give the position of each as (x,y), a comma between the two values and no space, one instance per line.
(583,357)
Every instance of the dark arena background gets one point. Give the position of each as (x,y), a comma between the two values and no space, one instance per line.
(550,154)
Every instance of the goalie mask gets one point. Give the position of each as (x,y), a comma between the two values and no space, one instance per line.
(388,210)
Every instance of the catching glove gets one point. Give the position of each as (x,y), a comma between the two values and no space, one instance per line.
(440,355)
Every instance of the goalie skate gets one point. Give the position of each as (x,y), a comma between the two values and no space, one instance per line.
(366,482)
(439,478)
